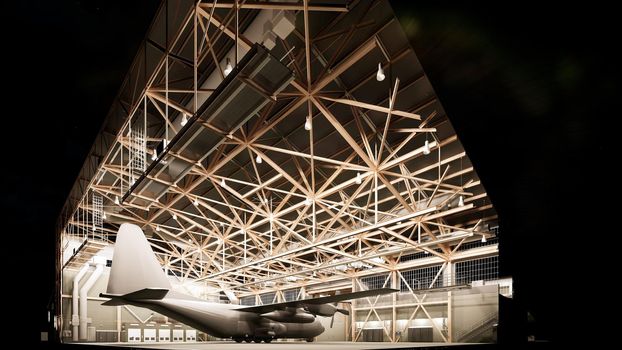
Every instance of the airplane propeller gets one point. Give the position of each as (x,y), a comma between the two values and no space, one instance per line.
(341,311)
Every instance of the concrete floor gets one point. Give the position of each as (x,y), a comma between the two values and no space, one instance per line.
(281,344)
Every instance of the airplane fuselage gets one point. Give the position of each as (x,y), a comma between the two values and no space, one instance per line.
(226,321)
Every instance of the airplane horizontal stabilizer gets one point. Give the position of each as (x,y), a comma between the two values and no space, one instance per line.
(143,294)
(115,302)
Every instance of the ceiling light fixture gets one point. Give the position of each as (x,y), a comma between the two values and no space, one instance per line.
(426,148)
(174,216)
(196,202)
(308,123)
(307,201)
(116,200)
(483,239)
(184,120)
(228,67)
(258,159)
(358,178)
(380,73)
(157,227)
(154,155)
(104,216)
(222,182)
(461,201)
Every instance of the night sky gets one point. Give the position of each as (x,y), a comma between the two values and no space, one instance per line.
(528,90)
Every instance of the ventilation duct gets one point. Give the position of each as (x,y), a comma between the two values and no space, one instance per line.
(247,89)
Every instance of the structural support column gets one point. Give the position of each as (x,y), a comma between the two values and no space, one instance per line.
(118,323)
(303,293)
(83,300)
(448,275)
(75,318)
(449,318)
(353,312)
(394,285)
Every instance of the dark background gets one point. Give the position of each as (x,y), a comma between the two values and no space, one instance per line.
(530,92)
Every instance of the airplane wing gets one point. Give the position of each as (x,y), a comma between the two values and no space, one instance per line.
(260,309)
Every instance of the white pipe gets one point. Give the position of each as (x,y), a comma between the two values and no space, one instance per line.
(75,319)
(83,299)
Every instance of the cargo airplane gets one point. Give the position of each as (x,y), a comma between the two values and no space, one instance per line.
(136,278)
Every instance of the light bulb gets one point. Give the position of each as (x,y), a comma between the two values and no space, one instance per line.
(307,201)
(228,68)
(184,120)
(308,123)
(154,155)
(358,178)
(157,227)
(222,182)
(380,73)
(116,200)
(483,239)
(426,147)
(174,216)
(196,202)
(461,201)
(258,159)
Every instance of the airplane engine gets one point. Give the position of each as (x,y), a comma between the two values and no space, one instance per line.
(325,310)
(295,315)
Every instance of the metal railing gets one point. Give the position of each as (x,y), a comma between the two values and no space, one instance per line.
(476,327)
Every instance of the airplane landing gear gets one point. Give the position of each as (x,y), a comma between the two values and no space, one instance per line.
(264,339)
(238,339)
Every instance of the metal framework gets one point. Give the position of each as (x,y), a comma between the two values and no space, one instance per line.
(340,176)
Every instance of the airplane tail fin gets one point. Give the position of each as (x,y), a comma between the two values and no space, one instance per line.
(135,272)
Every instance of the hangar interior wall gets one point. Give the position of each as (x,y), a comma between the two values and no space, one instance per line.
(447,313)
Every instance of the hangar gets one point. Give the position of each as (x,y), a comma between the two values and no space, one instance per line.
(278,151)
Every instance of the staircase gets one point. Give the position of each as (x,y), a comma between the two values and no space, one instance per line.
(477,329)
